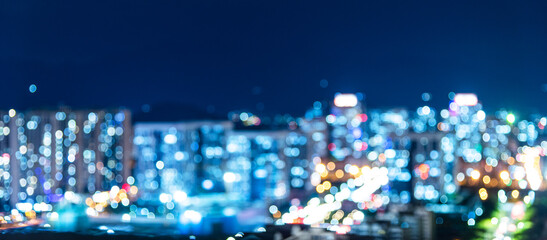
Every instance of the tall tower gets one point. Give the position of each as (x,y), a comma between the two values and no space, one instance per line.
(347,133)
(466,121)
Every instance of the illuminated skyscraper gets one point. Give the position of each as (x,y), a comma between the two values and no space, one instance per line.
(263,157)
(211,157)
(316,130)
(179,157)
(388,147)
(6,178)
(431,158)
(52,152)
(347,135)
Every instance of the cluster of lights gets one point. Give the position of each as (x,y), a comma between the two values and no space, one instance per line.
(225,161)
(114,198)
(48,149)
(317,212)
(353,162)
(247,119)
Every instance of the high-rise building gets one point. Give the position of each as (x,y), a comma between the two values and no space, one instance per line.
(211,157)
(184,157)
(347,134)
(263,154)
(52,152)
(388,146)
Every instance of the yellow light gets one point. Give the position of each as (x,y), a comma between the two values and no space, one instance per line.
(324,174)
(515,193)
(331,166)
(327,185)
(365,169)
(89,202)
(510,118)
(339,173)
(475,174)
(12,112)
(133,190)
(122,195)
(504,175)
(99,208)
(483,194)
(486,179)
(30,214)
(320,188)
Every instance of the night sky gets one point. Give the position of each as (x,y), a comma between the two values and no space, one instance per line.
(271,56)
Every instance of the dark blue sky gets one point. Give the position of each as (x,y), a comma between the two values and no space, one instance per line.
(235,54)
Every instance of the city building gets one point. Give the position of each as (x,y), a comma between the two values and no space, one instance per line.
(46,153)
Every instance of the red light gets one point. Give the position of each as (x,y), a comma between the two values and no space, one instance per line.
(126,187)
(424,171)
(364,146)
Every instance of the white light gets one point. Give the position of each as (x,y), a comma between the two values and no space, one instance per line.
(207,184)
(466,99)
(471,222)
(192,216)
(359,216)
(100,197)
(273,209)
(426,110)
(126,217)
(229,211)
(481,115)
(170,139)
(179,156)
(345,100)
(130,180)
(229,177)
(23,207)
(164,197)
(390,153)
(159,165)
(179,196)
(91,212)
(54,216)
(532,165)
